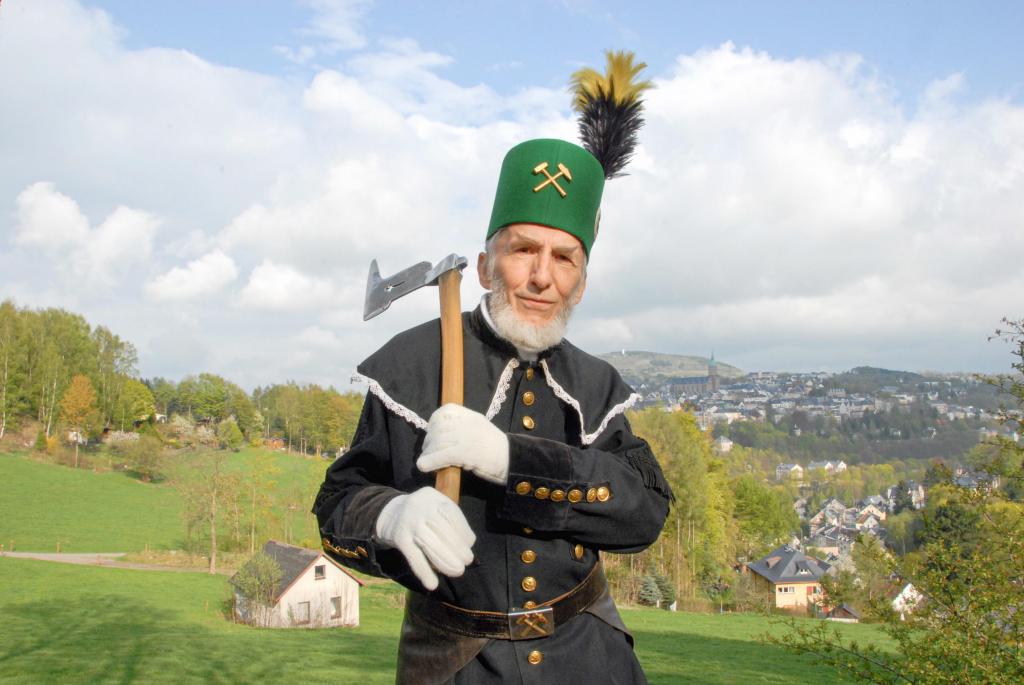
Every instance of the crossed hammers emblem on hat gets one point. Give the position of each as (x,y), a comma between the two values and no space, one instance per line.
(563,170)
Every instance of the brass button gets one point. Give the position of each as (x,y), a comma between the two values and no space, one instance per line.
(528,423)
(578,551)
(529,583)
(527,530)
(529,374)
(528,557)
(541,492)
(529,398)
(557,495)
(603,494)
(575,495)
(591,494)
(529,604)
(535,657)
(523,487)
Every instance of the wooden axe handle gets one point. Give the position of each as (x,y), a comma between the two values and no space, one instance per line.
(450,283)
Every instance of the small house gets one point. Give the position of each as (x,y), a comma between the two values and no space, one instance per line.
(314,592)
(793,578)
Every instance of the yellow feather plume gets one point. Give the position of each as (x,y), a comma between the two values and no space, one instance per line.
(617,81)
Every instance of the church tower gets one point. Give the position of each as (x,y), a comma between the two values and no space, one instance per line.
(713,373)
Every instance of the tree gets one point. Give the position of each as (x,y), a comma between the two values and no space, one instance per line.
(649,592)
(206,487)
(229,435)
(257,582)
(134,403)
(902,500)
(938,474)
(79,412)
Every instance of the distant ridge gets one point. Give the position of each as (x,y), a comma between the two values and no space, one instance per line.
(655,368)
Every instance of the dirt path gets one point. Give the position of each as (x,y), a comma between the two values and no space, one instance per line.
(109,559)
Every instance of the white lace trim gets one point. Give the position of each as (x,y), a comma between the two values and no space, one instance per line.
(585,437)
(501,392)
(396,408)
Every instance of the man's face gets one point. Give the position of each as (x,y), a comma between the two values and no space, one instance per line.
(542,269)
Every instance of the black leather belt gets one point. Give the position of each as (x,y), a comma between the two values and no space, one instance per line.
(518,624)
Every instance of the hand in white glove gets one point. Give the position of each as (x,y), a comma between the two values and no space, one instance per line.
(431,531)
(461,437)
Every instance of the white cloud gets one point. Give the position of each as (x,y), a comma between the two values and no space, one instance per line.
(49,220)
(282,287)
(199,278)
(90,258)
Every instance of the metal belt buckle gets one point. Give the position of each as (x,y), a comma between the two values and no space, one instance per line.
(526,624)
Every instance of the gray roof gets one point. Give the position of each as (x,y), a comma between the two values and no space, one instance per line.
(789,565)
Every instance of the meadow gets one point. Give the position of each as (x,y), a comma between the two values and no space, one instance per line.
(84,624)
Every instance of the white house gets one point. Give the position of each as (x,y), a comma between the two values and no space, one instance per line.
(723,444)
(789,471)
(314,592)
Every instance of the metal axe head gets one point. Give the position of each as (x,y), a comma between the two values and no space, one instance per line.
(381,292)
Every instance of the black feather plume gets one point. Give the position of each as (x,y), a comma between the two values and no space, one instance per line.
(611,110)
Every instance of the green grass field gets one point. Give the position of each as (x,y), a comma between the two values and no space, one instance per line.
(42,505)
(75,624)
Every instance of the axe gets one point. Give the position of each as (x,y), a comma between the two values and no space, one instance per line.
(447,275)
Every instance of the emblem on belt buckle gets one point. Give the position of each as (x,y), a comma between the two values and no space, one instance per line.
(525,624)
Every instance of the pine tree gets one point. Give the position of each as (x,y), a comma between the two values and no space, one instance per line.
(666,589)
(649,592)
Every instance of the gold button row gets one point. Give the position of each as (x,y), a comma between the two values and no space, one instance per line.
(529,584)
(528,423)
(529,398)
(524,487)
(528,556)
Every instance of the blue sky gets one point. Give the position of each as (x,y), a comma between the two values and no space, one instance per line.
(512,45)
(818,185)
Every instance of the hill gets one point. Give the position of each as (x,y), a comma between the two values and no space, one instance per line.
(44,505)
(122,626)
(84,511)
(654,368)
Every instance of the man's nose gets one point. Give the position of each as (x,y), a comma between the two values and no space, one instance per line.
(541,274)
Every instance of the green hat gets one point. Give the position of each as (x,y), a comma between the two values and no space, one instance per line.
(552,183)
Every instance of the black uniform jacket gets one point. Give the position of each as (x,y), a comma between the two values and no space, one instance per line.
(579,480)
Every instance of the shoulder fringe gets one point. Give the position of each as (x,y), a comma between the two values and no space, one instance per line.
(394,407)
(585,437)
(400,410)
(501,391)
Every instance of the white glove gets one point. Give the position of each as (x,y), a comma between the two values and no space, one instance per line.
(431,531)
(461,437)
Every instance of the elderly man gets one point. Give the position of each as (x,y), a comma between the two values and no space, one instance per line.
(506,586)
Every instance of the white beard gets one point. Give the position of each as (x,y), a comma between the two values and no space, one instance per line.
(530,339)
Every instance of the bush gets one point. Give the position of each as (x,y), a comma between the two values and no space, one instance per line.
(144,455)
